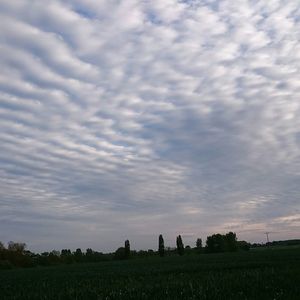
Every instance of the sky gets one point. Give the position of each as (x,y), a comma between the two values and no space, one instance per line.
(126,119)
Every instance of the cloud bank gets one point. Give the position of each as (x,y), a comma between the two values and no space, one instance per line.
(127,119)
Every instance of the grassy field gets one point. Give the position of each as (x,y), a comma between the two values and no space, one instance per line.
(269,274)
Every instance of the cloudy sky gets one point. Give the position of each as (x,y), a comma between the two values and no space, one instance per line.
(130,118)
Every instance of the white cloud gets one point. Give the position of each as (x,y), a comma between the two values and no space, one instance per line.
(137,117)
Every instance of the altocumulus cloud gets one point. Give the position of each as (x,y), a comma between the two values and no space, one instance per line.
(126,119)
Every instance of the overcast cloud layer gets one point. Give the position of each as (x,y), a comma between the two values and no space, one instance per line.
(127,119)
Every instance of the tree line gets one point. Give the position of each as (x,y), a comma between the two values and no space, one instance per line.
(17,255)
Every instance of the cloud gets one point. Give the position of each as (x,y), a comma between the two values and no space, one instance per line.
(134,118)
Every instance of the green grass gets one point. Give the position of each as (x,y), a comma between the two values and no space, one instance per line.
(270,274)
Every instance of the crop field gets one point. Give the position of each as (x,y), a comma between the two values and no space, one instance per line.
(265,274)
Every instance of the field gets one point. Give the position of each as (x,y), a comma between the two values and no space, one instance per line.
(264,274)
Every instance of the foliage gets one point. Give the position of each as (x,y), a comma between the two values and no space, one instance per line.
(78,255)
(127,249)
(221,243)
(243,245)
(161,246)
(16,255)
(285,243)
(16,247)
(66,256)
(259,275)
(120,253)
(180,246)
(199,245)
(230,242)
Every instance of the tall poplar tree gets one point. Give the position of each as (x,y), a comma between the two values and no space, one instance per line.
(180,247)
(127,249)
(161,246)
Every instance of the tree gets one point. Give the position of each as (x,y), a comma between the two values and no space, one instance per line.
(199,245)
(66,252)
(180,246)
(221,243)
(66,256)
(161,246)
(17,255)
(55,253)
(243,245)
(231,242)
(16,247)
(127,249)
(187,249)
(120,253)
(1,246)
(89,254)
(215,243)
(54,257)
(78,255)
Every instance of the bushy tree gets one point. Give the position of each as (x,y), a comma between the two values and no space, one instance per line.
(16,247)
(243,245)
(66,256)
(161,246)
(78,255)
(215,243)
(231,242)
(120,253)
(16,255)
(221,243)
(180,246)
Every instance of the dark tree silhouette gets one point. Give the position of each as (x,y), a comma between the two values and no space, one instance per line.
(215,243)
(127,249)
(53,257)
(15,255)
(78,255)
(161,246)
(199,245)
(243,245)
(89,254)
(16,247)
(120,253)
(66,256)
(180,246)
(231,242)
(66,252)
(221,243)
